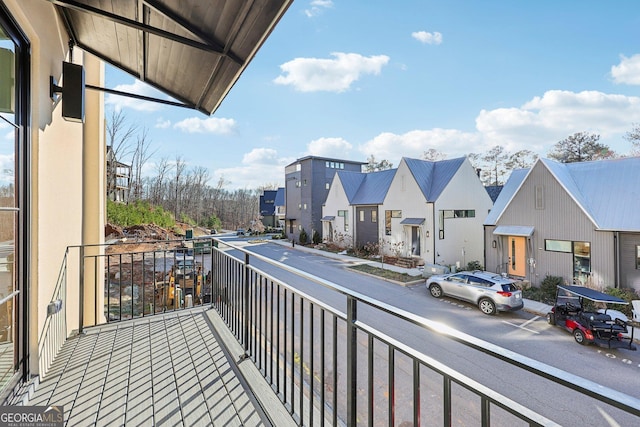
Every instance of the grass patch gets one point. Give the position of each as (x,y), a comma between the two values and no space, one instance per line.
(387,274)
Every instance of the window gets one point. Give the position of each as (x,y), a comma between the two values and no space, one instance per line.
(374,216)
(638,257)
(14,145)
(539,195)
(299,205)
(327,185)
(361,216)
(459,213)
(345,215)
(387,220)
(298,167)
(304,182)
(341,165)
(326,164)
(298,184)
(581,261)
(557,246)
(304,206)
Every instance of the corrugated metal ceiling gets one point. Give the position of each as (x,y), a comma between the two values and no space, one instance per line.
(193,50)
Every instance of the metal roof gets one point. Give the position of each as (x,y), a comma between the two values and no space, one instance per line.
(412,221)
(350,182)
(433,177)
(514,230)
(506,194)
(374,188)
(192,50)
(328,218)
(606,190)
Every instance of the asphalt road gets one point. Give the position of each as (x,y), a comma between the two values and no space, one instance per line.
(522,332)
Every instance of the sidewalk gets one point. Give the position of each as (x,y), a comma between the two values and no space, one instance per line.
(535,307)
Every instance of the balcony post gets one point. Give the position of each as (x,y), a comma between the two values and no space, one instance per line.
(247,305)
(352,360)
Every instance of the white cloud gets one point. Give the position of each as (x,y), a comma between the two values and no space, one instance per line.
(138,88)
(208,125)
(392,147)
(541,122)
(163,124)
(427,38)
(260,166)
(628,71)
(537,125)
(316,7)
(329,147)
(331,75)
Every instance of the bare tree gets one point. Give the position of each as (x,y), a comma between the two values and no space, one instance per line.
(141,156)
(495,159)
(633,136)
(521,160)
(120,134)
(372,165)
(580,147)
(433,155)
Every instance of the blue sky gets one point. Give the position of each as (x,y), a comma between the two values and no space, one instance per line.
(350,79)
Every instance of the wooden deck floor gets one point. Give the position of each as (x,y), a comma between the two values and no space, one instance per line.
(168,370)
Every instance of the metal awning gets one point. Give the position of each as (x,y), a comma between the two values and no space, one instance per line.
(328,218)
(412,221)
(514,230)
(192,50)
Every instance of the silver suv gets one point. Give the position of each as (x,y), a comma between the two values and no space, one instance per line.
(491,292)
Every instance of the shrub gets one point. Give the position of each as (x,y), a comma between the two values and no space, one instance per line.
(304,237)
(474,265)
(316,238)
(626,294)
(549,288)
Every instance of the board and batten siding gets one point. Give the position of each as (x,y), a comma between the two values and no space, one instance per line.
(555,215)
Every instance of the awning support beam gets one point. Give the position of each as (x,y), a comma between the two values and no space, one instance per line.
(208,47)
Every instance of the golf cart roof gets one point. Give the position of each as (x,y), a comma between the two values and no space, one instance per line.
(592,294)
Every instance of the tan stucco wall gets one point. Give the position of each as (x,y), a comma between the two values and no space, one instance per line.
(58,213)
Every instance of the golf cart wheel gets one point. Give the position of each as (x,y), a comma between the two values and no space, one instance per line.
(487,306)
(435,291)
(551,319)
(578,335)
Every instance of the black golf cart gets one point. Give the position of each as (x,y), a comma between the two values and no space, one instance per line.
(576,311)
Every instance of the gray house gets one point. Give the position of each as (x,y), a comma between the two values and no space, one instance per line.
(364,192)
(307,182)
(579,221)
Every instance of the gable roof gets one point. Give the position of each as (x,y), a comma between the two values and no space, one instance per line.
(433,177)
(606,190)
(366,188)
(509,190)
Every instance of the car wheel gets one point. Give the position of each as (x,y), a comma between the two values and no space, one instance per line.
(551,319)
(487,306)
(435,291)
(578,335)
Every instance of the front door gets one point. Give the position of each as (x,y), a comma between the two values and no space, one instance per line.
(415,241)
(517,256)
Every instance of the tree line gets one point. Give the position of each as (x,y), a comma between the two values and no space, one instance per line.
(187,194)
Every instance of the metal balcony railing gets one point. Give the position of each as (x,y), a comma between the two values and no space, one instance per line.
(329,356)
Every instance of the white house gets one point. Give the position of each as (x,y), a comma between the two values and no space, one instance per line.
(431,211)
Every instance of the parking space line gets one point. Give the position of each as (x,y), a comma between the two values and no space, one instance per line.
(524,325)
